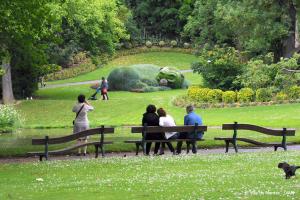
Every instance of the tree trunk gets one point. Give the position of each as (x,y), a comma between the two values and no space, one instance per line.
(290,44)
(7,92)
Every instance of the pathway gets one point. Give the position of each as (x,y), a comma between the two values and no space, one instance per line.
(132,154)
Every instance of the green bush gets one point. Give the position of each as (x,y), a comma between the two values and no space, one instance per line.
(229,97)
(281,96)
(161,43)
(186,45)
(220,68)
(294,92)
(9,118)
(148,44)
(214,96)
(71,72)
(245,95)
(263,95)
(173,43)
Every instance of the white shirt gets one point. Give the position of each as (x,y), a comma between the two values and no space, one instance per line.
(82,117)
(167,121)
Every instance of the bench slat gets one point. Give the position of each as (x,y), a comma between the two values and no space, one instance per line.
(72,137)
(62,151)
(267,131)
(160,129)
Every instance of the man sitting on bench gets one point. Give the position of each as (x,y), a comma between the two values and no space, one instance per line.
(190,119)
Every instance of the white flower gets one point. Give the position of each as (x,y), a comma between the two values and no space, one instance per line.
(39,179)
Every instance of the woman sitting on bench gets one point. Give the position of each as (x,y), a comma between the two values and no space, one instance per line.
(166,120)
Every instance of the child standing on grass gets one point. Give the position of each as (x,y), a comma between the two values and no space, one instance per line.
(81,121)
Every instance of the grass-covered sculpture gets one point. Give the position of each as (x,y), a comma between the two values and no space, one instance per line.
(144,78)
(170,77)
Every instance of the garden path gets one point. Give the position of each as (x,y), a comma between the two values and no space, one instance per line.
(132,154)
(88,82)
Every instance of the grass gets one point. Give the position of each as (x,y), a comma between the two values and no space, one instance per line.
(232,176)
(174,59)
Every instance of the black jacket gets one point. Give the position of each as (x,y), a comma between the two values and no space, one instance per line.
(151,119)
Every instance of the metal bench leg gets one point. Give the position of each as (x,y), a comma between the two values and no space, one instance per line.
(235,147)
(102,150)
(188,147)
(41,158)
(275,148)
(227,146)
(96,151)
(137,145)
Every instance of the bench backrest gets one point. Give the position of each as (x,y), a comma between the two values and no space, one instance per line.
(267,131)
(68,138)
(160,129)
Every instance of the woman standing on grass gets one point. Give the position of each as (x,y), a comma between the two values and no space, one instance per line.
(81,121)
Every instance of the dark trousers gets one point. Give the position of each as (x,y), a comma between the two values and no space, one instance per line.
(104,96)
(170,146)
(179,144)
(153,136)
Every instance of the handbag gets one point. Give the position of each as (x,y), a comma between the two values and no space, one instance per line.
(77,114)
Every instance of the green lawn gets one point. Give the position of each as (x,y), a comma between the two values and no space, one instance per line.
(214,176)
(172,59)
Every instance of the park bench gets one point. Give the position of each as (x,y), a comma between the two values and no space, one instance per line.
(64,139)
(144,130)
(284,132)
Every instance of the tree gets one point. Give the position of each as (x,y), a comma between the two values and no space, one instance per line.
(258,26)
(22,23)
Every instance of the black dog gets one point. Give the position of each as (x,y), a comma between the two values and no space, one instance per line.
(289,170)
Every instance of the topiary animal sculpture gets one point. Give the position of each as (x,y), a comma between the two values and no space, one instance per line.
(173,77)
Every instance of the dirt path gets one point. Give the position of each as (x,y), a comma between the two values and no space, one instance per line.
(132,154)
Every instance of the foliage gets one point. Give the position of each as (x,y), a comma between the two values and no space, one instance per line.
(82,68)
(219,67)
(164,18)
(10,118)
(229,97)
(161,43)
(263,94)
(245,95)
(294,92)
(174,79)
(214,96)
(148,44)
(260,74)
(186,45)
(173,43)
(257,26)
(280,96)
(48,68)
(1,72)
(135,77)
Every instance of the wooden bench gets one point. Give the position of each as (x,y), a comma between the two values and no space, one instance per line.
(274,132)
(159,129)
(59,140)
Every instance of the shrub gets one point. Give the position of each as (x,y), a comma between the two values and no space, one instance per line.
(281,96)
(148,44)
(173,43)
(71,72)
(161,43)
(186,45)
(263,95)
(9,118)
(220,68)
(214,96)
(294,92)
(245,95)
(229,97)
(193,92)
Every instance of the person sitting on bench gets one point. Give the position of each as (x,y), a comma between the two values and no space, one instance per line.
(166,120)
(190,119)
